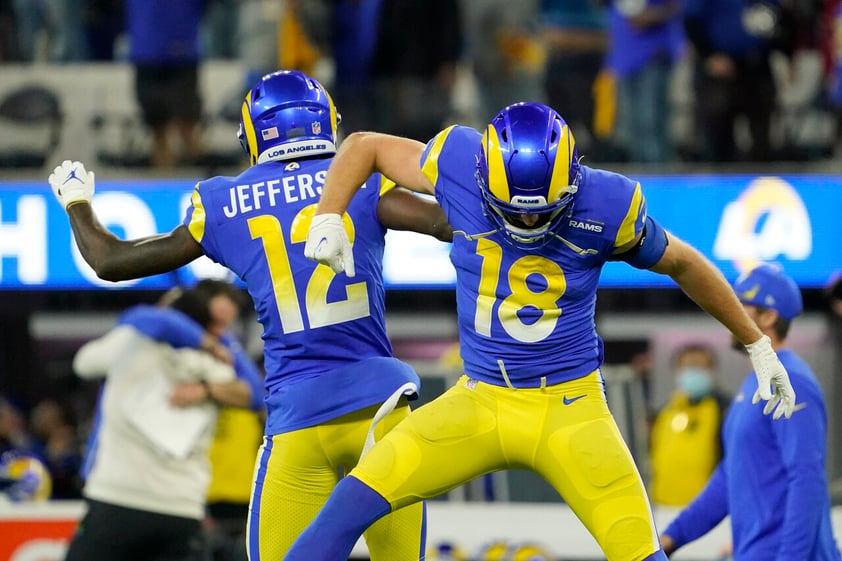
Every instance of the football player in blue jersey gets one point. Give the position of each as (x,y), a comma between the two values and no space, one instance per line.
(332,382)
(532,230)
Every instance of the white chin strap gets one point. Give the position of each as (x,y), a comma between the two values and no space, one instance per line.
(293,150)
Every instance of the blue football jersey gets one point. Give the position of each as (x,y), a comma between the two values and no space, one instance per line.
(529,315)
(325,344)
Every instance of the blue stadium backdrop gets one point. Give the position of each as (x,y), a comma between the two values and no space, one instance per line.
(735,220)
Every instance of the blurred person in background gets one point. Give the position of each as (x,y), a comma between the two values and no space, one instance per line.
(238,429)
(104,23)
(685,444)
(56,441)
(833,296)
(164,49)
(297,47)
(733,41)
(506,52)
(833,339)
(147,485)
(576,37)
(830,25)
(771,480)
(329,364)
(9,48)
(24,474)
(353,36)
(219,29)
(14,434)
(238,436)
(414,77)
(646,42)
(257,32)
(533,229)
(51,30)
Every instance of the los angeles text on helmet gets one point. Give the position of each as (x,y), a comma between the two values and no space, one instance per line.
(296,149)
(293,149)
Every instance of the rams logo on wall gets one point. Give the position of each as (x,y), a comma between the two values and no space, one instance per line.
(768,221)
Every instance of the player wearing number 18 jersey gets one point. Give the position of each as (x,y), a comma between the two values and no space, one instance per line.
(330,373)
(532,231)
(540,302)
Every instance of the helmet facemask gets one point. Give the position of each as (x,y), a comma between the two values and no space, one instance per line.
(509,217)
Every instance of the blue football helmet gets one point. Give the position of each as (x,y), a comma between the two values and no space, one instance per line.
(528,172)
(287,115)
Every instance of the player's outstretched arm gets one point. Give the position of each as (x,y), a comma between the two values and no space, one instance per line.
(111,258)
(706,285)
(400,209)
(114,259)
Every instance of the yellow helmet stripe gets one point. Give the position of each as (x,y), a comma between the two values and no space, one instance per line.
(333,118)
(560,176)
(248,128)
(197,219)
(430,165)
(497,183)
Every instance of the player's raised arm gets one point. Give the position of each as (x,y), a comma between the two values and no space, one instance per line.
(110,257)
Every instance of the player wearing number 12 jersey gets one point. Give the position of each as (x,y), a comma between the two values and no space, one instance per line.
(532,231)
(332,382)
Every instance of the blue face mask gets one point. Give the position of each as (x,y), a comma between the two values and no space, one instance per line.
(696,382)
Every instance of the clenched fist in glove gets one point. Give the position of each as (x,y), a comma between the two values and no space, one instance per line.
(71,183)
(772,380)
(327,243)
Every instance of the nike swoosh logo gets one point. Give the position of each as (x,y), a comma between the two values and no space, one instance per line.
(320,244)
(568,401)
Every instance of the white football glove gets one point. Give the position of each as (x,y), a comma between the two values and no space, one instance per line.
(327,243)
(71,183)
(772,379)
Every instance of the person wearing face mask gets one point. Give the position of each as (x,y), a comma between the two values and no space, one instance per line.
(685,439)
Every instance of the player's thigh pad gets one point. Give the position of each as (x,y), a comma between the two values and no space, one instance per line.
(587,461)
(441,445)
